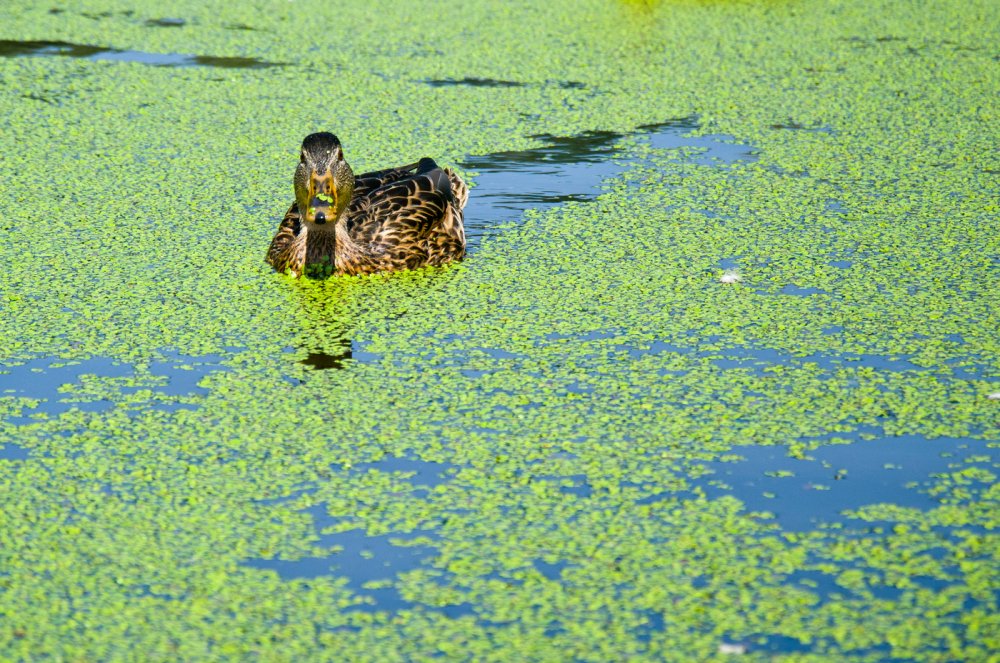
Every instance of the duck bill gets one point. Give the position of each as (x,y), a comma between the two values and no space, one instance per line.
(322,200)
(320,210)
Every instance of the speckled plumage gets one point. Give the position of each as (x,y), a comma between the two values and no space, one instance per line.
(398,218)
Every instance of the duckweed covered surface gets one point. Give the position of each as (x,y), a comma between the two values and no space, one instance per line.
(542,453)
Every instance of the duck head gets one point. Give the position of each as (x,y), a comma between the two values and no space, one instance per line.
(324,182)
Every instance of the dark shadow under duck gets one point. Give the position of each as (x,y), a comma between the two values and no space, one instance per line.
(388,220)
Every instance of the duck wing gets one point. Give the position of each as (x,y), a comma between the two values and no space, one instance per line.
(365,183)
(402,211)
(409,223)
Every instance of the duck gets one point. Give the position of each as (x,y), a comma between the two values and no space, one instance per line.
(388,220)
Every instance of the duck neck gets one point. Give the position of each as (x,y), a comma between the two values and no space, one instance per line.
(321,243)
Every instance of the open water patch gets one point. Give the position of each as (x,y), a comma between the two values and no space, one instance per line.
(420,473)
(472,81)
(573,169)
(797,291)
(370,563)
(11,451)
(52,386)
(363,559)
(834,478)
(799,126)
(759,359)
(166,22)
(13,48)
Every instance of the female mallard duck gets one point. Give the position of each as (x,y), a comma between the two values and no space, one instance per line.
(399,218)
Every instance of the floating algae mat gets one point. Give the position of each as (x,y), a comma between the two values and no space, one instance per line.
(577,444)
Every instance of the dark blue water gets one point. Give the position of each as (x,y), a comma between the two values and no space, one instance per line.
(835,478)
(364,559)
(11,451)
(47,380)
(570,169)
(758,359)
(367,558)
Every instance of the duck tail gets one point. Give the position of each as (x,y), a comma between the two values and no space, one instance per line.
(426,165)
(459,189)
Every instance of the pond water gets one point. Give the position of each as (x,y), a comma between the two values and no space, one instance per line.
(50,385)
(364,559)
(802,494)
(11,48)
(571,169)
(805,494)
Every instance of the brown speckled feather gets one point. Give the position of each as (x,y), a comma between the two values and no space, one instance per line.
(411,222)
(365,183)
(398,218)
(288,248)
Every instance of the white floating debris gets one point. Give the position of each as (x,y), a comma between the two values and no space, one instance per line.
(995,396)
(732,648)
(730,276)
